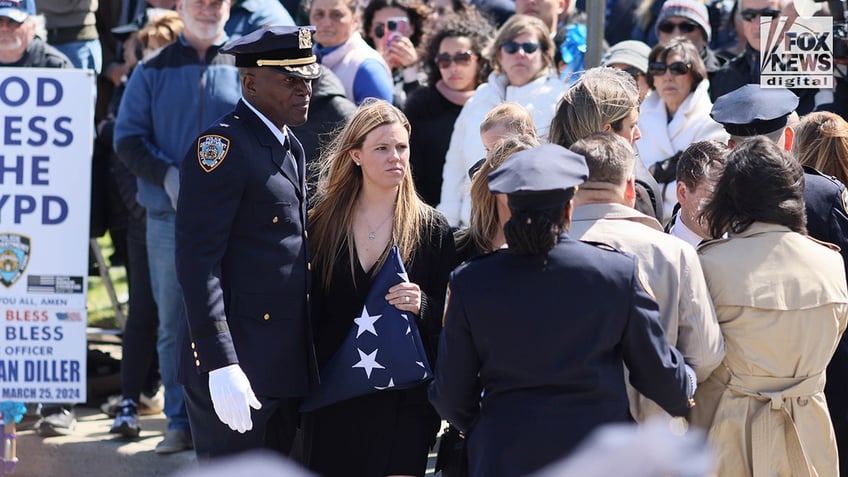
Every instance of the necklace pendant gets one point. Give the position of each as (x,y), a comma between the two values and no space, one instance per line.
(372,236)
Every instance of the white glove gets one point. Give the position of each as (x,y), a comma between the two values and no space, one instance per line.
(172,185)
(232,397)
(693,379)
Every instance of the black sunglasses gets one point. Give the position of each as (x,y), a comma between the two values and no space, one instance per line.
(380,30)
(683,27)
(444,60)
(511,47)
(633,71)
(750,13)
(658,68)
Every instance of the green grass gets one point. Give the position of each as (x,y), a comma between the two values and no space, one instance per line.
(100,311)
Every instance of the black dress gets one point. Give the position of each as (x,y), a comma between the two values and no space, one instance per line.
(386,432)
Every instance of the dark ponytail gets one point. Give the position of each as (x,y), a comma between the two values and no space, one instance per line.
(535,232)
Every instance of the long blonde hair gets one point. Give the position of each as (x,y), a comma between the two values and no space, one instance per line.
(484,223)
(339,186)
(821,142)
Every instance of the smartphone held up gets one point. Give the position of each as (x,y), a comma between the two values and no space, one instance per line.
(395,27)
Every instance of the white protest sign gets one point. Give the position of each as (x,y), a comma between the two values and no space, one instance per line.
(46,134)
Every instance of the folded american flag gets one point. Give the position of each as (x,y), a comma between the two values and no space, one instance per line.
(382,350)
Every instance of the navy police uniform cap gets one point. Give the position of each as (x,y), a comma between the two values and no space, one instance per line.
(752,110)
(286,48)
(544,176)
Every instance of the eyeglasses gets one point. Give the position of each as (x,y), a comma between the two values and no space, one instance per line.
(683,27)
(444,60)
(750,13)
(678,68)
(511,47)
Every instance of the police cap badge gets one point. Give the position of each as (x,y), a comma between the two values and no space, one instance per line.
(286,48)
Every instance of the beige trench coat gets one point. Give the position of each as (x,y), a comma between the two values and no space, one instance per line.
(674,273)
(782,304)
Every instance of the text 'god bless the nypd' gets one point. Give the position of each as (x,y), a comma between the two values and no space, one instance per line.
(34,122)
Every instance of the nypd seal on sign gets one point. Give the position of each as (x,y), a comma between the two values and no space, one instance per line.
(14,257)
(211,151)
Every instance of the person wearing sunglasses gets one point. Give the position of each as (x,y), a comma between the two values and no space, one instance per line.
(395,28)
(362,71)
(522,58)
(453,61)
(676,114)
(745,67)
(689,19)
(631,56)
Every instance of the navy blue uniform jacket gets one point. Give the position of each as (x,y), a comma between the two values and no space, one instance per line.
(544,339)
(243,261)
(827,220)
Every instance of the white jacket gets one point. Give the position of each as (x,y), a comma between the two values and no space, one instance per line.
(662,139)
(540,96)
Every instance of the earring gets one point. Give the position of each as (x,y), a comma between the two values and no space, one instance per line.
(357,164)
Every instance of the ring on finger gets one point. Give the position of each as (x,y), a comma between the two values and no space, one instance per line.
(407,299)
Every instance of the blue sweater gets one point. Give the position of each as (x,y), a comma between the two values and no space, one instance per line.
(170,99)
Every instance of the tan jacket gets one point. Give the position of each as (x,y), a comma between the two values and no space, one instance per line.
(674,273)
(782,304)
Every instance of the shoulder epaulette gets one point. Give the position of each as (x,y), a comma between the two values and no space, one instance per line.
(707,243)
(602,245)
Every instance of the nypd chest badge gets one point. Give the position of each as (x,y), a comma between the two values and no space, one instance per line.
(211,151)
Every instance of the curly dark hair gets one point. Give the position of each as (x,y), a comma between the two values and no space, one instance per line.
(416,11)
(760,183)
(470,24)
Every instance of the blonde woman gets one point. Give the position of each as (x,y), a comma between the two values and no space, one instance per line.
(522,57)
(365,204)
(821,142)
(489,212)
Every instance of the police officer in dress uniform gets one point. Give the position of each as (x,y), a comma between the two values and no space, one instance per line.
(246,353)
(543,329)
(752,111)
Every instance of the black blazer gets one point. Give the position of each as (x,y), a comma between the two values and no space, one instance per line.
(243,260)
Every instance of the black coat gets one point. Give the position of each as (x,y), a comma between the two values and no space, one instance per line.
(827,220)
(544,339)
(432,118)
(329,109)
(243,261)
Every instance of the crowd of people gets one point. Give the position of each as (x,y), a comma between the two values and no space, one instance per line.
(654,239)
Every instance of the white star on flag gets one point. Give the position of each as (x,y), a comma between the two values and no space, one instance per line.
(368,362)
(390,385)
(408,329)
(366,322)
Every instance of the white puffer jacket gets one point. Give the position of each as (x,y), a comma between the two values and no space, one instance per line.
(540,96)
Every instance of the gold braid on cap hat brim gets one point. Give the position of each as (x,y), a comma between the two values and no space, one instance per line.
(294,62)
